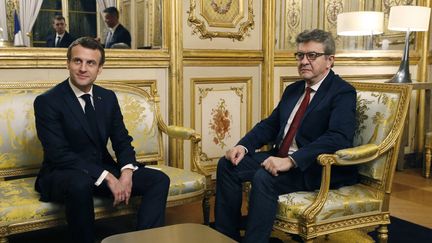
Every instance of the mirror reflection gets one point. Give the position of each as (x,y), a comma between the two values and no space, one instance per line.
(70,19)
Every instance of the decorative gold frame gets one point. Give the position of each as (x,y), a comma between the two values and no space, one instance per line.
(206,161)
(200,26)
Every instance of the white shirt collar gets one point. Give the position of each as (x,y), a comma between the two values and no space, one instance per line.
(112,30)
(316,86)
(78,93)
(58,35)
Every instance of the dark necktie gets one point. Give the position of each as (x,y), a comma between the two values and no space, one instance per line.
(57,42)
(287,141)
(91,116)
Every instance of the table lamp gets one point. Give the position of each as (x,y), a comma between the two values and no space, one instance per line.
(407,18)
(361,23)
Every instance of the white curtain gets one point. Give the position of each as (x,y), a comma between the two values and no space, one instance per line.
(103,4)
(28,12)
(3,21)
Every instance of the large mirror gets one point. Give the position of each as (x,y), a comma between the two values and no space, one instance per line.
(142,18)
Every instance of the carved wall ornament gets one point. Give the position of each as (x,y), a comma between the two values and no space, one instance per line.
(221,8)
(228,14)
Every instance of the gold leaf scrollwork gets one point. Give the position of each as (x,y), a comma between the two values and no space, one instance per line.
(200,27)
(239,92)
(203,93)
(220,8)
(203,156)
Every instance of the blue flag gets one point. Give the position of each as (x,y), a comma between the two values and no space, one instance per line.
(18,40)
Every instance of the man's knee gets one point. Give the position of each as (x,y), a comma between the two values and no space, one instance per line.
(262,179)
(80,185)
(164,180)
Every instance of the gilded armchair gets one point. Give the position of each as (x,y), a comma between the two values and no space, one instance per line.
(381,112)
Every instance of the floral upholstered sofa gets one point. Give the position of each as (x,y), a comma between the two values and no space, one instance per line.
(381,114)
(21,156)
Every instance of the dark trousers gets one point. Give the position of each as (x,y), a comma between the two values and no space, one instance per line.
(263,197)
(75,189)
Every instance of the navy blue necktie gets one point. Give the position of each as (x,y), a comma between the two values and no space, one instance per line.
(91,116)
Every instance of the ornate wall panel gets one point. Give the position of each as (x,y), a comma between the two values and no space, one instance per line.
(228,14)
(222,24)
(294,16)
(221,112)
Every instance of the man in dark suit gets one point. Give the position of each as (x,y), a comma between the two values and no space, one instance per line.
(74,121)
(315,115)
(117,33)
(61,38)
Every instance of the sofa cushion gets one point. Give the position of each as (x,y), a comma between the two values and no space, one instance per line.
(23,203)
(344,201)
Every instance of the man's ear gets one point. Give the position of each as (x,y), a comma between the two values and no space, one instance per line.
(331,60)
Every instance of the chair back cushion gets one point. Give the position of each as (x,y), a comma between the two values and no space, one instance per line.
(19,146)
(140,112)
(378,120)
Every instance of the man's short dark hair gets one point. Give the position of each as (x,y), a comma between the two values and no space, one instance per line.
(89,43)
(59,18)
(112,11)
(319,36)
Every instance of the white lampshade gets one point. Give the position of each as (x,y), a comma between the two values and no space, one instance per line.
(360,23)
(409,18)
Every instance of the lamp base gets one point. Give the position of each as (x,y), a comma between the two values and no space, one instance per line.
(401,77)
(403,74)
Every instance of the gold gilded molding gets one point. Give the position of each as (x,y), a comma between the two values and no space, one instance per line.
(11,58)
(333,8)
(222,13)
(203,93)
(200,27)
(11,6)
(175,90)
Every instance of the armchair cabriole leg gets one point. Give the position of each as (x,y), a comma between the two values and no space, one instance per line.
(206,207)
(427,162)
(382,233)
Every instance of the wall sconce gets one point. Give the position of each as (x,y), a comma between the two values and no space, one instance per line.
(407,18)
(361,23)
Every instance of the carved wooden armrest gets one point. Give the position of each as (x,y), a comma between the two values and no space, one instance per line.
(184,133)
(350,156)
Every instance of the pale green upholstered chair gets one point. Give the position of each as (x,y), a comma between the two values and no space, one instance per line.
(381,112)
(21,155)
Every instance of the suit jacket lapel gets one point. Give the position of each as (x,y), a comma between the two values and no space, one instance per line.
(322,91)
(76,109)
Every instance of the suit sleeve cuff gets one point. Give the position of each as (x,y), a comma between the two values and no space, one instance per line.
(246,150)
(101,178)
(294,162)
(129,166)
